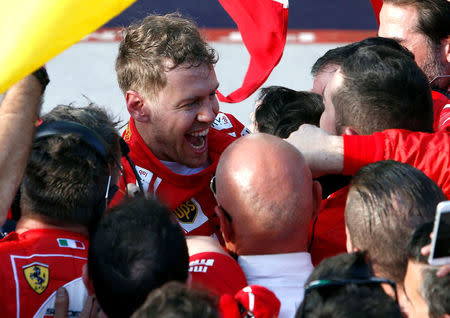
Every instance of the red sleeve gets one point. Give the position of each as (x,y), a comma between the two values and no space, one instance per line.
(427,152)
(361,150)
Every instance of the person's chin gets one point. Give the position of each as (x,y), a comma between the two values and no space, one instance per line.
(197,161)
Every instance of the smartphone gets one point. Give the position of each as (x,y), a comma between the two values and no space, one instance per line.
(440,244)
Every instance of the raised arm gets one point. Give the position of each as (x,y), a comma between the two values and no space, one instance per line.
(19,112)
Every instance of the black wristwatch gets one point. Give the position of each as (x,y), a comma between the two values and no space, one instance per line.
(42,76)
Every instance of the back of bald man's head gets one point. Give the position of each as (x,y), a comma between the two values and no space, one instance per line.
(264,183)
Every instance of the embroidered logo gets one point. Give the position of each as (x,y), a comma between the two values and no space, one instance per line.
(127,134)
(37,276)
(186,212)
(200,266)
(146,177)
(190,215)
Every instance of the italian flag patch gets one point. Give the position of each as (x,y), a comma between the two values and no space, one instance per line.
(63,242)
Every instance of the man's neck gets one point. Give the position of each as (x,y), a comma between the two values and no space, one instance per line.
(275,247)
(27,223)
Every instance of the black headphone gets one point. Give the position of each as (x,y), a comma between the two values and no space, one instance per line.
(87,135)
(96,142)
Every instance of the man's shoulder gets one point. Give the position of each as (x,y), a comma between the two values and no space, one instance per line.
(33,241)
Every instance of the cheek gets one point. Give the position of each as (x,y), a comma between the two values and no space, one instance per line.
(215,106)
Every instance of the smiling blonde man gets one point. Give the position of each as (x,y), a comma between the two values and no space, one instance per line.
(176,133)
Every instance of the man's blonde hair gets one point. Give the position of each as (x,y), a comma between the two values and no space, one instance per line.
(155,45)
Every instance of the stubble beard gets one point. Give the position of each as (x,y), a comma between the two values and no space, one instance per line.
(433,66)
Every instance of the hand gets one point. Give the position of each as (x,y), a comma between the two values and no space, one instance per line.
(90,309)
(324,153)
(444,269)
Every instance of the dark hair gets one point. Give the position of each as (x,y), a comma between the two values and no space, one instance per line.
(282,110)
(347,300)
(148,46)
(419,238)
(433,17)
(176,300)
(382,89)
(343,266)
(136,248)
(65,179)
(387,200)
(337,55)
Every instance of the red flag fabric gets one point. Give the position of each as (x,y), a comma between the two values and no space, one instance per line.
(377,4)
(263,26)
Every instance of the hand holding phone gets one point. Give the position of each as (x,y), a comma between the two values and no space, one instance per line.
(440,243)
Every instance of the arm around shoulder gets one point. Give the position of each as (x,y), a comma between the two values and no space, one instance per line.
(323,152)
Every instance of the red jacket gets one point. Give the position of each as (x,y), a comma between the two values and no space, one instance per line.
(34,264)
(327,236)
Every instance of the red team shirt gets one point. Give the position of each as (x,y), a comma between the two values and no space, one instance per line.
(188,196)
(34,265)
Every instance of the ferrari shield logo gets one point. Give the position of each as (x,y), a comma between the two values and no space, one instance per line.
(37,276)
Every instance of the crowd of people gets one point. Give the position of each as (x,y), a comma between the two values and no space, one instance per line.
(326,209)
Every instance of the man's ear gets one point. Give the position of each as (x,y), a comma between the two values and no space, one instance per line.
(87,281)
(225,225)
(349,131)
(135,105)
(317,198)
(446,48)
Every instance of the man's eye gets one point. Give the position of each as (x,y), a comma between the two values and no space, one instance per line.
(190,105)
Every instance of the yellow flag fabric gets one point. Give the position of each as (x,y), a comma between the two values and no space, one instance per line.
(34,31)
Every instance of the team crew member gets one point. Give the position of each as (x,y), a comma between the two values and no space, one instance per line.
(268,229)
(422,27)
(175,134)
(63,194)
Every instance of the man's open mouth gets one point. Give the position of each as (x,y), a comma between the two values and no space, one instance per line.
(197,139)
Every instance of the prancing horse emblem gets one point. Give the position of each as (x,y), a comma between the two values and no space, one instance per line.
(37,276)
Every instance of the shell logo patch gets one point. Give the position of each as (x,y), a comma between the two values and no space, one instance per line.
(37,276)
(186,212)
(127,134)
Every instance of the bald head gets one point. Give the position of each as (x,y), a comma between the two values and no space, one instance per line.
(265,185)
